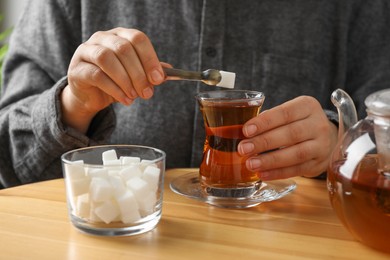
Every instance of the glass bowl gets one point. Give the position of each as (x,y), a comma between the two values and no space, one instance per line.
(114,190)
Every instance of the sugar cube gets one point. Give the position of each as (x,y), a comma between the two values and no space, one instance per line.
(112,162)
(117,185)
(100,189)
(107,212)
(152,176)
(128,207)
(145,163)
(129,160)
(80,186)
(75,170)
(146,204)
(92,215)
(97,172)
(109,155)
(83,206)
(130,172)
(130,216)
(139,187)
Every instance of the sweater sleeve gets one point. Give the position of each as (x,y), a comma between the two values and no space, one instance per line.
(32,136)
(368,55)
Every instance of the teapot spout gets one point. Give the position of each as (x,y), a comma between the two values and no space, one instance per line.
(346,110)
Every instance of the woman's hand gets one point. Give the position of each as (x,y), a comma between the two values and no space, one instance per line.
(112,66)
(293,139)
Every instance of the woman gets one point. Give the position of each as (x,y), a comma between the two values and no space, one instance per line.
(81,73)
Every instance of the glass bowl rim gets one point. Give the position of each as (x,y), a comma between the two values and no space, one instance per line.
(113,146)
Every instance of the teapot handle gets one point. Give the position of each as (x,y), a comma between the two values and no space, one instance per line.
(346,110)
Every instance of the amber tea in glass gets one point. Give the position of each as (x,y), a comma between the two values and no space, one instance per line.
(223,171)
(363,203)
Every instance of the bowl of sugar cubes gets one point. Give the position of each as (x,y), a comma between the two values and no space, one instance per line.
(114,190)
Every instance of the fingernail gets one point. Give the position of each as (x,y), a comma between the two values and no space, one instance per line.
(133,93)
(156,76)
(250,129)
(246,147)
(254,163)
(147,92)
(128,101)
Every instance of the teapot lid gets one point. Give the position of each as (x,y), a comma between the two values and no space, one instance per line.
(378,103)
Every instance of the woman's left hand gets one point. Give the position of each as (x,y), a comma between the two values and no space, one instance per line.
(292,139)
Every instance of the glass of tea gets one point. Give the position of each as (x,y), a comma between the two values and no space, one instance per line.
(223,172)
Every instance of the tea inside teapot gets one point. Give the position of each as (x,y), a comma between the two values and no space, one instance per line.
(358,174)
(378,108)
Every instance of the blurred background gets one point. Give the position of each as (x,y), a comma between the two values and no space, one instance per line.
(10,10)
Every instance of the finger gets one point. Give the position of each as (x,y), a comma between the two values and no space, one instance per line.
(135,70)
(285,135)
(285,157)
(147,56)
(307,169)
(166,65)
(88,75)
(130,60)
(130,66)
(106,60)
(293,110)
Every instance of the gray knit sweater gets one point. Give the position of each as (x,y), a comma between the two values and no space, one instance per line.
(284,48)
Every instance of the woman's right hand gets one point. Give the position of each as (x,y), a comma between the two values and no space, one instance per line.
(118,65)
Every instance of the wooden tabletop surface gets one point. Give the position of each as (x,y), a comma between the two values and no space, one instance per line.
(34,224)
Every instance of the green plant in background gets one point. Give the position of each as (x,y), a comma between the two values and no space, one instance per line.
(3,46)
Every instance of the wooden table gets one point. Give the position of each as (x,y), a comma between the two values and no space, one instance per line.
(34,225)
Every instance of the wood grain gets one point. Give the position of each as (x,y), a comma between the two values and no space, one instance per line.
(34,225)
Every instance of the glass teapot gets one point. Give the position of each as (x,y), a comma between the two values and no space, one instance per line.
(359,170)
